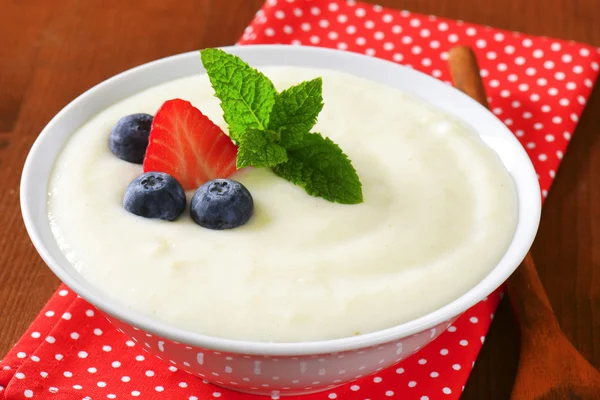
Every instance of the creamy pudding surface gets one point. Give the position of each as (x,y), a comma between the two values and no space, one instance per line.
(439,212)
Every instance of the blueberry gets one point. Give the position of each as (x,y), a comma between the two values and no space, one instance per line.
(155,195)
(129,137)
(221,204)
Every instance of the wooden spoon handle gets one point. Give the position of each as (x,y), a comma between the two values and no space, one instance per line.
(465,73)
(525,288)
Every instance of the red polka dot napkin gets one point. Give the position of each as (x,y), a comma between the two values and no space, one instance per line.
(537,86)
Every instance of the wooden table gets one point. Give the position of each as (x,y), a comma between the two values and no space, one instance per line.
(51,51)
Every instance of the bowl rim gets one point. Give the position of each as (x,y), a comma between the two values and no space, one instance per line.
(443,314)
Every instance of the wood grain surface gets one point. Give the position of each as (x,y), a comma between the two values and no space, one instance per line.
(51,51)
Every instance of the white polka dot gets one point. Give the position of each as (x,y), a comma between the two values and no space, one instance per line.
(218,394)
(501,67)
(332,396)
(456,367)
(415,23)
(63,292)
(473,320)
(113,396)
(400,371)
(530,71)
(68,374)
(58,357)
(49,313)
(491,55)
(288,29)
(397,57)
(388,46)
(412,384)
(422,361)
(542,157)
(553,91)
(516,104)
(505,93)
(463,342)
(342,18)
(173,369)
(546,108)
(115,364)
(509,49)
(183,384)
(407,40)
(446,390)
(378,35)
(444,352)
(548,64)
(442,26)
(557,119)
(494,83)
(578,69)
(355,388)
(370,52)
(538,53)
(560,76)
(571,85)
(512,78)
(20,375)
(149,373)
(588,82)
(595,66)
(125,378)
(453,38)
(89,313)
(471,31)
(552,173)
(416,50)
(527,42)
(106,348)
(530,145)
(584,52)
(44,374)
(534,97)
(538,126)
(82,354)
(369,24)
(315,39)
(484,72)
(135,393)
(555,46)
(315,11)
(497,110)
(21,354)
(508,122)
(35,359)
(564,102)
(389,393)
(424,398)
(481,44)
(92,370)
(74,335)
(28,393)
(78,387)
(53,389)
(520,60)
(270,32)
(360,12)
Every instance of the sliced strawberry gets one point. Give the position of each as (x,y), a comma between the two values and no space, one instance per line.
(186,144)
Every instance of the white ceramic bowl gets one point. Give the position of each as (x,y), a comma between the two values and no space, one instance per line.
(282,368)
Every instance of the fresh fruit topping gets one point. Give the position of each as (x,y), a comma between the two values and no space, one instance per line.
(187,145)
(221,204)
(274,129)
(129,138)
(155,195)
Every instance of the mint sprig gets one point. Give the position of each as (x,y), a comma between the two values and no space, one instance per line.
(247,96)
(322,169)
(295,111)
(260,149)
(273,129)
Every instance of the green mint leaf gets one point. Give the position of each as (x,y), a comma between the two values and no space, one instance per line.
(322,169)
(260,149)
(295,111)
(247,96)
